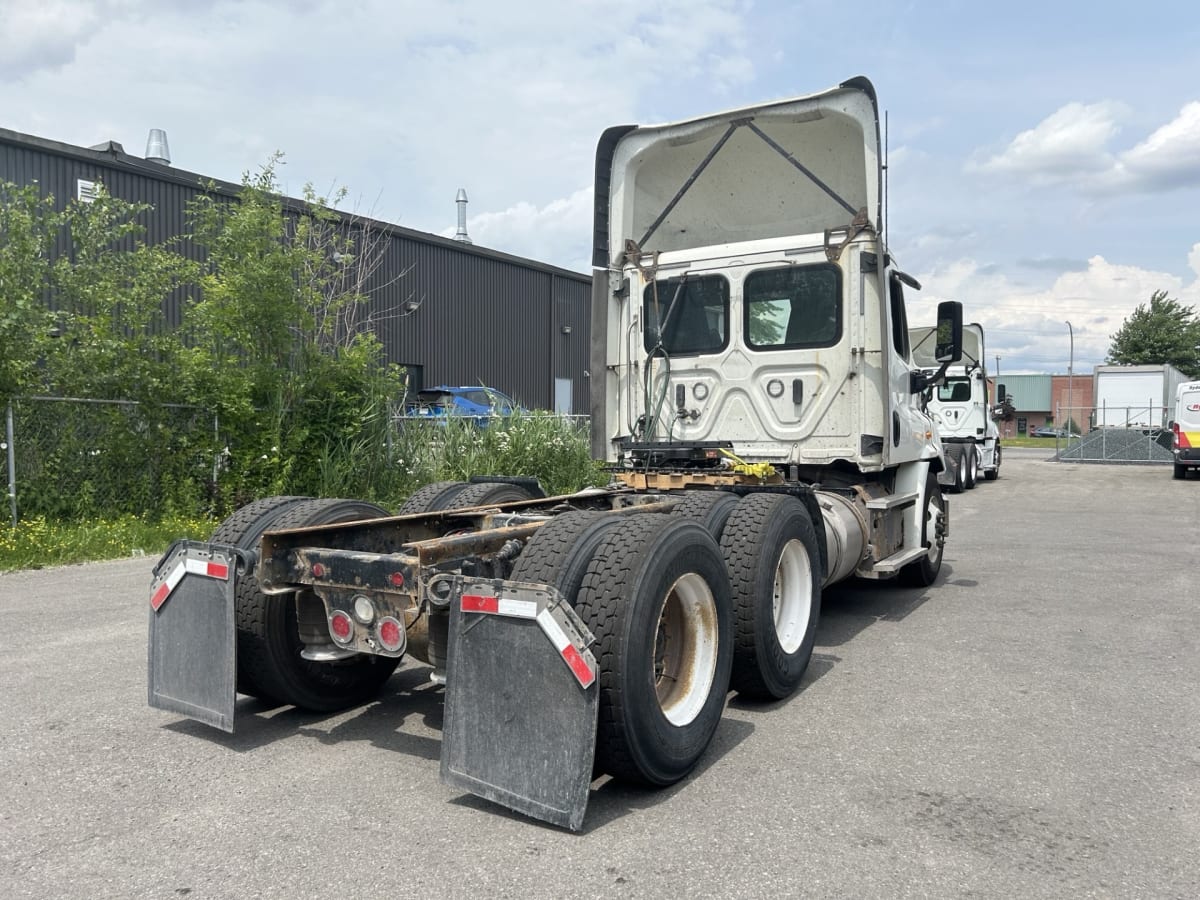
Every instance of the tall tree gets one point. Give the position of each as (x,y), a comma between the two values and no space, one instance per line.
(1165,331)
(28,226)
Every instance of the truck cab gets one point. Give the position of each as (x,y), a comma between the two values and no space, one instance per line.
(960,407)
(746,305)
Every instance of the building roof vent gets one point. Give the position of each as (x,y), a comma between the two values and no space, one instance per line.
(157,150)
(461,234)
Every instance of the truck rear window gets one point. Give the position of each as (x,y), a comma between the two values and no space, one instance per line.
(693,311)
(796,307)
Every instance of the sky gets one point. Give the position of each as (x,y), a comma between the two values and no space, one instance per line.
(1043,158)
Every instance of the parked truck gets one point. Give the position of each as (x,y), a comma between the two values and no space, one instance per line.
(961,408)
(755,395)
(1135,396)
(1185,428)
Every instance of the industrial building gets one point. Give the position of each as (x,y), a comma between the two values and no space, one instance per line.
(1040,400)
(448,311)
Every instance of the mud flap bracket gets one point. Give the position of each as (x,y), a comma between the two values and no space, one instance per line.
(521,699)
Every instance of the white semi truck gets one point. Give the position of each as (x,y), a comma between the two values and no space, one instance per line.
(755,394)
(960,406)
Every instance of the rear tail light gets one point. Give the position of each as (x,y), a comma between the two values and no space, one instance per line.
(390,633)
(341,626)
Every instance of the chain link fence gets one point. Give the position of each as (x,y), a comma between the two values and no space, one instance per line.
(71,459)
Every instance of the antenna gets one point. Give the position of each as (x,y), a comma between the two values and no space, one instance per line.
(883,216)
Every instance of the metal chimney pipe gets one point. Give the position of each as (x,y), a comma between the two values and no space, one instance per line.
(157,150)
(461,234)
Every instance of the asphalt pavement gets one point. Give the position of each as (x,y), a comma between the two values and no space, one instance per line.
(1027,727)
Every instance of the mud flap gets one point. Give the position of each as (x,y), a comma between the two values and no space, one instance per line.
(192,653)
(521,699)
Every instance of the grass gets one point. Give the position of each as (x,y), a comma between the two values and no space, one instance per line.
(540,445)
(37,543)
(1023,441)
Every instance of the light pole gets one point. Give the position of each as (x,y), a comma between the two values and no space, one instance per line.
(1070,381)
(996,395)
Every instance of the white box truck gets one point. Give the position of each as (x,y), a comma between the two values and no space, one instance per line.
(1135,396)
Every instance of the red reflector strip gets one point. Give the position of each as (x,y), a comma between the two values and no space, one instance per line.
(579,666)
(187,566)
(583,671)
(500,606)
(480,604)
(159,597)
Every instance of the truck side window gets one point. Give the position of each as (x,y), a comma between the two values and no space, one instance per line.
(899,318)
(800,306)
(695,314)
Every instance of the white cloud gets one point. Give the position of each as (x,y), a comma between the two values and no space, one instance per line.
(43,35)
(1027,327)
(549,232)
(1168,159)
(1068,144)
(1071,147)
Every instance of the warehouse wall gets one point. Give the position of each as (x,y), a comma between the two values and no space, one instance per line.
(480,316)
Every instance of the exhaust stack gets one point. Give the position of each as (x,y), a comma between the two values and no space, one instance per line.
(157,150)
(461,234)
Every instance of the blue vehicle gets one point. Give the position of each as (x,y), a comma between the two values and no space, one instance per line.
(477,402)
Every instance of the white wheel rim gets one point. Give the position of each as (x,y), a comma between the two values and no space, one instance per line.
(933,525)
(791,603)
(685,649)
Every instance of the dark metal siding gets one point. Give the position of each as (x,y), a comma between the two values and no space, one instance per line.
(483,317)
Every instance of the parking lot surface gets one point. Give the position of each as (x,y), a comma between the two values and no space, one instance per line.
(1027,727)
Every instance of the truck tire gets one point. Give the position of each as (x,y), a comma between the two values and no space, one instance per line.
(993,473)
(268,644)
(242,530)
(771,552)
(1180,471)
(710,508)
(971,455)
(656,598)
(561,550)
(487,493)
(431,497)
(442,495)
(924,571)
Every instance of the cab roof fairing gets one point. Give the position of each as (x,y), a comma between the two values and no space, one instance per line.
(788,167)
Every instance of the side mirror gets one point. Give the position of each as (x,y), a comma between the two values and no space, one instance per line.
(949,332)
(1001,395)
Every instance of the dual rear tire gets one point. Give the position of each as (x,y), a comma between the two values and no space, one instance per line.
(679,618)
(269,664)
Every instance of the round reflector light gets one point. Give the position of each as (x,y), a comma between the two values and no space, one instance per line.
(341,627)
(390,633)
